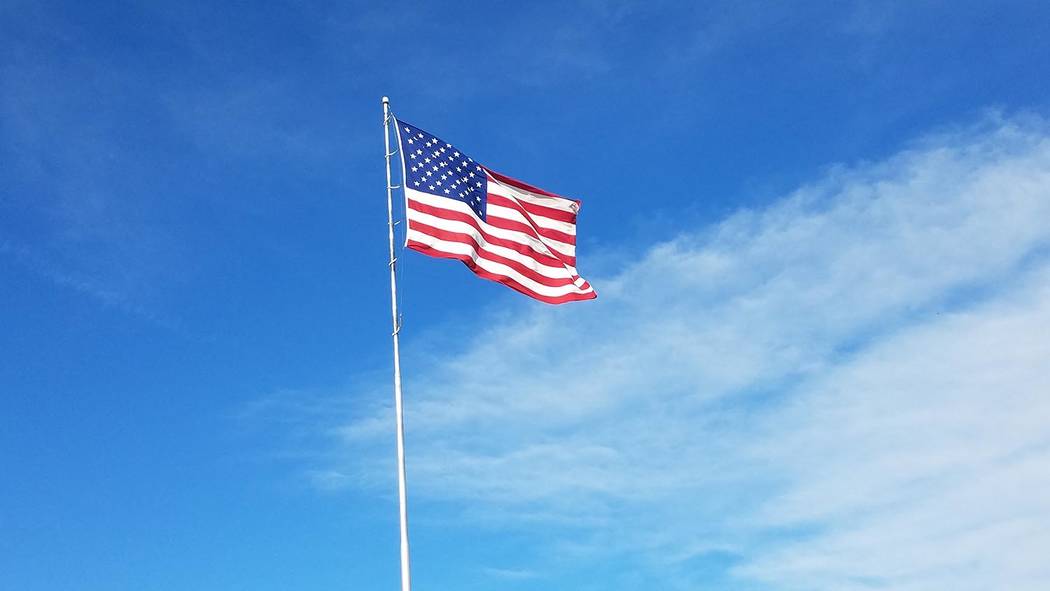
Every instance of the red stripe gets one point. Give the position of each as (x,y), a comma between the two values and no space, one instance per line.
(469,262)
(448,214)
(535,210)
(546,232)
(491,256)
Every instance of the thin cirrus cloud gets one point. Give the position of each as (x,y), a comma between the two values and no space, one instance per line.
(844,389)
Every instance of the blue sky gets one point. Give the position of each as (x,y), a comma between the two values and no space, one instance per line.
(817,360)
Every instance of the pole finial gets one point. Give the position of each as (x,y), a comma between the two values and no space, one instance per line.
(386,100)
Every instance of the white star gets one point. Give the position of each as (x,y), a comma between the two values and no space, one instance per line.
(407,130)
(430,173)
(413,155)
(417,183)
(431,187)
(413,169)
(437,182)
(446,191)
(472,175)
(456,154)
(443,177)
(427,160)
(410,140)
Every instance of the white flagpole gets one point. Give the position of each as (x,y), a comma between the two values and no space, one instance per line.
(406,577)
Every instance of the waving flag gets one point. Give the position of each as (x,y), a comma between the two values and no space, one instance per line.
(502,229)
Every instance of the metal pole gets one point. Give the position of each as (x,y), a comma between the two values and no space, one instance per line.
(406,577)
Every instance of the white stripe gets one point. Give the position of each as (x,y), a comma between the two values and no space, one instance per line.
(529,197)
(561,272)
(539,244)
(460,248)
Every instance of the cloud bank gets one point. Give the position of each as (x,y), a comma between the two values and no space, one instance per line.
(847,389)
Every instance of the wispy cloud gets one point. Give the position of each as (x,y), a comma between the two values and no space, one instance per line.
(103,183)
(81,205)
(93,288)
(843,390)
(513,574)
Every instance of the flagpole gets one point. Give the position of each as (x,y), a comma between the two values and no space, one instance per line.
(406,577)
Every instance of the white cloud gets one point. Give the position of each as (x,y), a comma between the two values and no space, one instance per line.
(922,461)
(844,390)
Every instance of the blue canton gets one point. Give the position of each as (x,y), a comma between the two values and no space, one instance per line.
(436,167)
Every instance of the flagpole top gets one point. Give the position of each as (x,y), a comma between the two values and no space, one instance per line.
(386,100)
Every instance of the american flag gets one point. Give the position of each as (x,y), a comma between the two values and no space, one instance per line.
(501,228)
